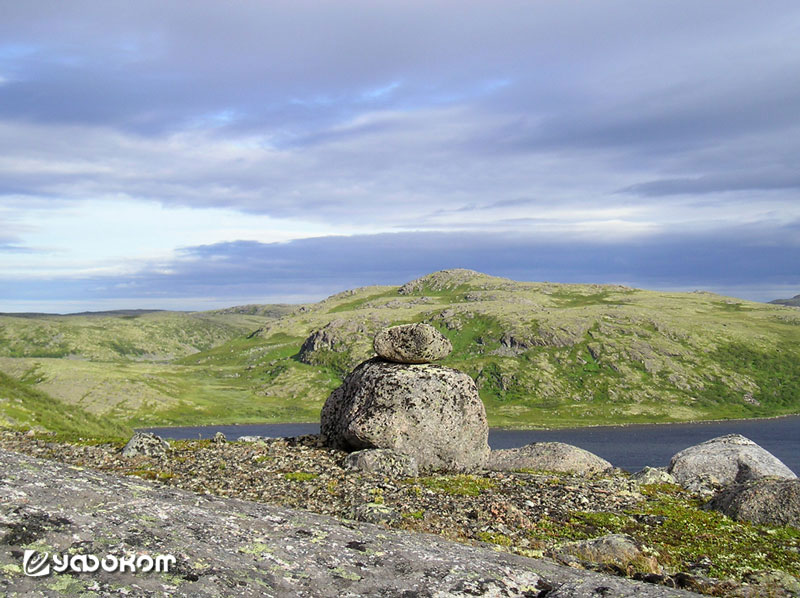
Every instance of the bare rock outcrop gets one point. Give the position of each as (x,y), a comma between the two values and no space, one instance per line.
(722,461)
(227,547)
(547,456)
(430,412)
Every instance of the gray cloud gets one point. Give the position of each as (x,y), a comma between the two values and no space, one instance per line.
(750,262)
(713,184)
(438,116)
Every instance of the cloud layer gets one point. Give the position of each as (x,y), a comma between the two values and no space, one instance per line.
(613,125)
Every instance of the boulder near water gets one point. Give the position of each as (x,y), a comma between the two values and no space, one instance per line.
(723,461)
(547,456)
(429,412)
(769,501)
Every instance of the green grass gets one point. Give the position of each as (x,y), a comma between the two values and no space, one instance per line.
(543,355)
(459,485)
(25,408)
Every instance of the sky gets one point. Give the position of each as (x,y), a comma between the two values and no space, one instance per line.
(198,154)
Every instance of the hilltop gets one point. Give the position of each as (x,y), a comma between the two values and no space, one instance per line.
(543,354)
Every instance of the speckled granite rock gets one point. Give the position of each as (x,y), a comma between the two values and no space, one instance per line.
(430,412)
(411,343)
(145,443)
(383,461)
(723,461)
(228,547)
(547,456)
(768,501)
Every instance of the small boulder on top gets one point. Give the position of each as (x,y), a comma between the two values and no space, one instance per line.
(146,443)
(723,461)
(411,343)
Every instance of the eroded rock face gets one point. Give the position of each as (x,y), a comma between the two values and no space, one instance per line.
(547,456)
(412,343)
(384,462)
(429,412)
(723,461)
(768,501)
(145,443)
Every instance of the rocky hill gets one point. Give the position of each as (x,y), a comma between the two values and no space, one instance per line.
(794,301)
(543,354)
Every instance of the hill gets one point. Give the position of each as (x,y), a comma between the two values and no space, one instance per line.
(543,354)
(794,301)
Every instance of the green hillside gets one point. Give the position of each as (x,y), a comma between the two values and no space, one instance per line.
(25,408)
(543,354)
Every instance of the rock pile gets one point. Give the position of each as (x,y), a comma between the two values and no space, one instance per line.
(400,401)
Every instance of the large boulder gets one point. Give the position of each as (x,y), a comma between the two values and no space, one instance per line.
(147,444)
(723,461)
(429,412)
(412,343)
(768,501)
(547,456)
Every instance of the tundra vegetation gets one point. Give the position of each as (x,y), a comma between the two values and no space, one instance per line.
(543,355)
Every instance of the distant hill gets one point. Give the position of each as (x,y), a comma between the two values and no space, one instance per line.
(542,354)
(794,301)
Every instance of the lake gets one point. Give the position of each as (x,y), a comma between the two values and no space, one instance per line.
(628,447)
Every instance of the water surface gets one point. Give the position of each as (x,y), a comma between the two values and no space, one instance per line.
(628,447)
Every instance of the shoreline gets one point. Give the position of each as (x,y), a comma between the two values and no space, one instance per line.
(509,428)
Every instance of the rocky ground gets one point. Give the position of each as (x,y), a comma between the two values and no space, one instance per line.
(531,514)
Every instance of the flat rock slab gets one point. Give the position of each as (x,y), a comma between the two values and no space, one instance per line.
(547,456)
(228,547)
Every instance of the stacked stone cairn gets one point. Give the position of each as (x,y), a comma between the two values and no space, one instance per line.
(424,417)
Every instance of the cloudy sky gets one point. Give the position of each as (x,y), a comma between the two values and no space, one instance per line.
(198,154)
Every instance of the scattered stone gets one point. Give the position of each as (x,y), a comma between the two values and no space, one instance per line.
(723,461)
(617,550)
(547,456)
(251,439)
(147,444)
(248,549)
(768,501)
(218,438)
(377,513)
(775,584)
(429,412)
(384,462)
(411,343)
(653,475)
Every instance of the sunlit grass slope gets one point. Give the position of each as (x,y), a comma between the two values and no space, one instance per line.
(543,354)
